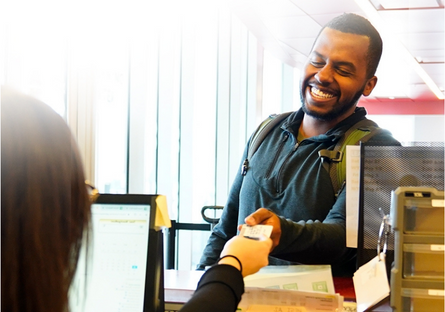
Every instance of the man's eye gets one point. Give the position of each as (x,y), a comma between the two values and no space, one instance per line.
(343,72)
(317,64)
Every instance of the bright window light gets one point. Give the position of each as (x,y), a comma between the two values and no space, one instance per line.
(399,49)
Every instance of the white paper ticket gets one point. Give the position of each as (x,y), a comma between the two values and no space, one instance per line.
(255,231)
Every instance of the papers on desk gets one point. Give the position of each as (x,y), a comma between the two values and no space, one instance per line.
(298,288)
(268,308)
(293,277)
(254,299)
(273,288)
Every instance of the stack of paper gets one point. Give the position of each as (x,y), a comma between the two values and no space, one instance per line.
(294,277)
(254,299)
(298,288)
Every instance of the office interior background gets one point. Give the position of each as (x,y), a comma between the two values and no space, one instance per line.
(162,96)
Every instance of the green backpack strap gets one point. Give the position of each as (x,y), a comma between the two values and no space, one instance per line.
(258,136)
(334,160)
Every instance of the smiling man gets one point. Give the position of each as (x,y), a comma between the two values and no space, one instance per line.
(286,184)
(339,70)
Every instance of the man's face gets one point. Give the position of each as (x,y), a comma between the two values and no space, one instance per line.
(334,76)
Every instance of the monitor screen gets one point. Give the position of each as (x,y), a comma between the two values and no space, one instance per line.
(118,270)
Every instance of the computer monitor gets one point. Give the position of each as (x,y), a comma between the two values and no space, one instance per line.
(122,267)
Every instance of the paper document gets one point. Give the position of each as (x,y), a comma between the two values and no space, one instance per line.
(180,285)
(371,283)
(296,288)
(269,308)
(294,277)
(352,194)
(299,300)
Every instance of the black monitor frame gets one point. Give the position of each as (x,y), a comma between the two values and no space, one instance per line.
(154,273)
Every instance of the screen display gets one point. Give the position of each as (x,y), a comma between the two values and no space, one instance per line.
(112,276)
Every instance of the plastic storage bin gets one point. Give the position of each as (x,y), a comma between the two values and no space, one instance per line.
(424,216)
(423,261)
(423,300)
(417,276)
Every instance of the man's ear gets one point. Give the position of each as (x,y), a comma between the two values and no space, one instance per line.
(370,84)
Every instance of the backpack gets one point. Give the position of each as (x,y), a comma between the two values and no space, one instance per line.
(332,160)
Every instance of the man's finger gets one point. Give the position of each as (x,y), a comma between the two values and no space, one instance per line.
(258,216)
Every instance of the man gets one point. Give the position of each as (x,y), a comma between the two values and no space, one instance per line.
(286,176)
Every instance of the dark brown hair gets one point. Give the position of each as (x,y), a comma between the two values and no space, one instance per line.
(45,206)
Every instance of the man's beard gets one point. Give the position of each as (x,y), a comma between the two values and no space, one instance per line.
(335,112)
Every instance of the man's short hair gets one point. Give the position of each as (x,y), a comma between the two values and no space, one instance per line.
(358,25)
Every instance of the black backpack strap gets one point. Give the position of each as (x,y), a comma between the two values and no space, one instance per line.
(258,136)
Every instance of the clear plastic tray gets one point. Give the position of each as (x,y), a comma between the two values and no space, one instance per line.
(423,261)
(423,300)
(424,217)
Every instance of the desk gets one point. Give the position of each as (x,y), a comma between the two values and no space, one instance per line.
(180,285)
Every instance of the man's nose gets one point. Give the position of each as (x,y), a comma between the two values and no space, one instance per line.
(324,75)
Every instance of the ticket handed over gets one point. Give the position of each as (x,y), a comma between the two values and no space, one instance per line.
(255,231)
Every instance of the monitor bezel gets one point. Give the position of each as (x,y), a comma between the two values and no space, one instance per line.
(154,272)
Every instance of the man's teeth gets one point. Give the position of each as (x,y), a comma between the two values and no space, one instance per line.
(321,94)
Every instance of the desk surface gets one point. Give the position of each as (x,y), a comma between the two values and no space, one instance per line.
(188,280)
(180,285)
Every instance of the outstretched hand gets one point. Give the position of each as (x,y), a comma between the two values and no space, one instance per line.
(253,254)
(265,216)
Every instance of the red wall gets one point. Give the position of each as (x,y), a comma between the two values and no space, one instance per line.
(403,107)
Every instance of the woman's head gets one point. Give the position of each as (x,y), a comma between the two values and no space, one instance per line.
(44,202)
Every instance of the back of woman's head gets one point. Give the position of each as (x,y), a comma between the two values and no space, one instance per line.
(44,202)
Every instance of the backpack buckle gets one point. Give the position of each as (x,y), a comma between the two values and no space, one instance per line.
(245,167)
(335,156)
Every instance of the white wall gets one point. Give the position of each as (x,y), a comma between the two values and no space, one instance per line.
(413,128)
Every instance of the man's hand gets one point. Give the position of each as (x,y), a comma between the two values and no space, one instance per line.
(265,216)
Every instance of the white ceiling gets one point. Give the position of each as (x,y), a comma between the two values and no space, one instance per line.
(287,28)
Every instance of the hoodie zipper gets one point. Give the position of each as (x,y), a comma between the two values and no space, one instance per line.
(280,148)
(282,166)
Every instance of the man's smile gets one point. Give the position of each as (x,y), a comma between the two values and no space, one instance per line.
(319,94)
